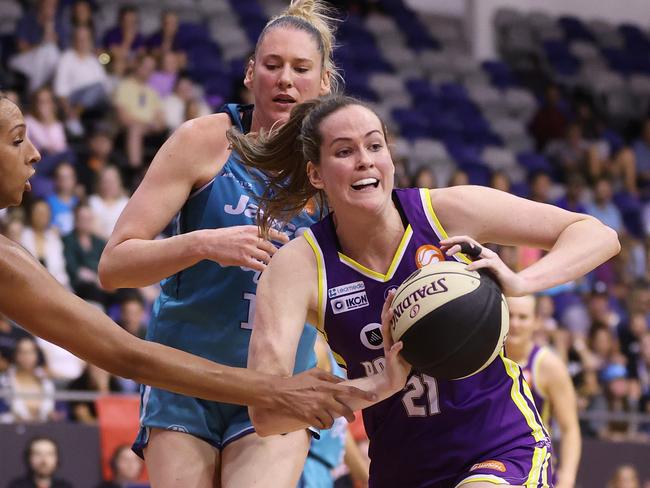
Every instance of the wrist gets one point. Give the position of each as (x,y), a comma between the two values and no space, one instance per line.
(197,245)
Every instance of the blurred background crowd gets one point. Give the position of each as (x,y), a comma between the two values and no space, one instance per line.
(562,117)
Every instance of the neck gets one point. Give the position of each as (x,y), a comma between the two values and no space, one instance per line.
(42,481)
(381,236)
(519,354)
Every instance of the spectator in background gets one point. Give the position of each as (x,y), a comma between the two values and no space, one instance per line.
(166,39)
(424,177)
(603,207)
(550,121)
(96,380)
(64,199)
(37,36)
(25,376)
(625,476)
(642,367)
(176,104)
(62,366)
(45,129)
(82,250)
(500,181)
(132,314)
(458,177)
(42,461)
(139,109)
(641,149)
(109,201)
(540,185)
(124,40)
(44,242)
(126,468)
(98,154)
(81,82)
(81,15)
(573,154)
(574,198)
(630,337)
(164,78)
(10,334)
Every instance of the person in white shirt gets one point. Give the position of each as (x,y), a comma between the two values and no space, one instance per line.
(109,201)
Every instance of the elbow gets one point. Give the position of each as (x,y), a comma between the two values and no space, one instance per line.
(107,278)
(611,238)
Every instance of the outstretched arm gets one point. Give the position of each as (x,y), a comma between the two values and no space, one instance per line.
(31,297)
(576,243)
(287,297)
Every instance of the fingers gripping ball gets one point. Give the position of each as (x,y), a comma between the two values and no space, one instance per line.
(453,322)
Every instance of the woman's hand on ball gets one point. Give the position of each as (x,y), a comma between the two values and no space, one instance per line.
(511,283)
(397,369)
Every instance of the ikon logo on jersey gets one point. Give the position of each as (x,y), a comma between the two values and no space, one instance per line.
(428,254)
(345,289)
(349,302)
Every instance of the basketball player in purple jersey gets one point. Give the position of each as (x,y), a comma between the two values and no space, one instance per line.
(476,432)
(549,382)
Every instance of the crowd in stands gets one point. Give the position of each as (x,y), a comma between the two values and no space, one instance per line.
(101,98)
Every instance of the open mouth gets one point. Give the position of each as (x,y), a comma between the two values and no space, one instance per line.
(365,183)
(284,99)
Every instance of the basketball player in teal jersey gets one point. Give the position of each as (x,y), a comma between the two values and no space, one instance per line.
(549,382)
(30,296)
(210,268)
(476,432)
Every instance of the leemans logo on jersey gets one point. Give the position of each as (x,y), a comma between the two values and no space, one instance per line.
(349,302)
(345,289)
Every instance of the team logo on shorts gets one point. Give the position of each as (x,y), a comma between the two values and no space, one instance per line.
(428,254)
(371,336)
(493,465)
(178,428)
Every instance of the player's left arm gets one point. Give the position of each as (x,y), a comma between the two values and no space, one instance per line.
(577,243)
(554,381)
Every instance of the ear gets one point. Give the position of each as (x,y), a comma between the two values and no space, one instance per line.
(248,78)
(325,84)
(314,176)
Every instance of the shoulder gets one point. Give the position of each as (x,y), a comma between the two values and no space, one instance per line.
(550,368)
(294,254)
(203,133)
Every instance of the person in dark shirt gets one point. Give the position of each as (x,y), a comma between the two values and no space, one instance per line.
(10,334)
(42,461)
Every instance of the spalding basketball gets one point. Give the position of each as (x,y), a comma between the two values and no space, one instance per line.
(453,322)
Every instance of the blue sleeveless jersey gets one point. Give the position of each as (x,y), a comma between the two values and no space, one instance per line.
(327,452)
(530,370)
(208,309)
(433,431)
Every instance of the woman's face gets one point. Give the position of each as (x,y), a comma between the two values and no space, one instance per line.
(40,216)
(287,70)
(522,320)
(356,168)
(44,104)
(110,184)
(17,155)
(26,355)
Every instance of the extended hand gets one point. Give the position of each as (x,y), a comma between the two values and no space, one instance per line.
(397,369)
(511,283)
(240,245)
(316,398)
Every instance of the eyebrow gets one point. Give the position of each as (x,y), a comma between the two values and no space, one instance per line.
(349,138)
(18,126)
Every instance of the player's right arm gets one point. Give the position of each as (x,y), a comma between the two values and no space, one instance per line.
(31,297)
(287,298)
(191,157)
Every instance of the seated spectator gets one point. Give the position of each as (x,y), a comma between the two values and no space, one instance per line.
(81,15)
(641,149)
(10,334)
(540,185)
(574,198)
(166,39)
(126,468)
(81,82)
(132,314)
(603,207)
(38,35)
(62,366)
(109,201)
(500,181)
(124,40)
(630,336)
(44,242)
(459,177)
(573,154)
(82,250)
(25,377)
(64,199)
(424,177)
(139,109)
(98,154)
(41,461)
(642,367)
(43,125)
(176,104)
(96,380)
(164,78)
(550,121)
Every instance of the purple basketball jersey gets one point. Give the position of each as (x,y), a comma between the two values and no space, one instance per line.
(530,370)
(433,431)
